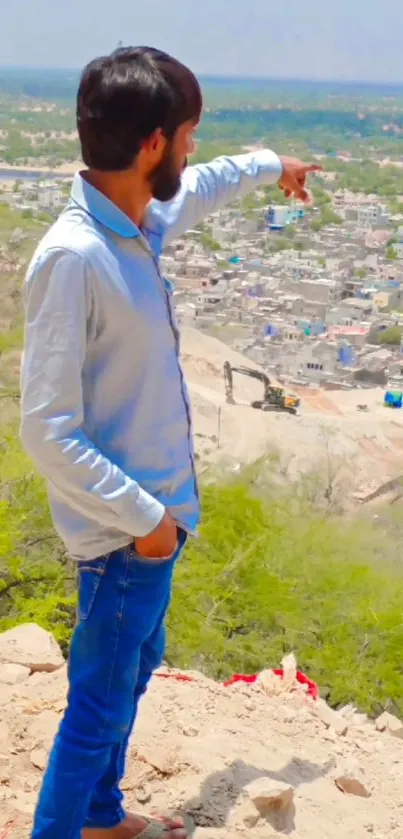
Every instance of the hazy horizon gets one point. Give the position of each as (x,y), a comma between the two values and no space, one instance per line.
(309,41)
(229,77)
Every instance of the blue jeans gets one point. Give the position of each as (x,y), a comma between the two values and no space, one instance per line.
(118,641)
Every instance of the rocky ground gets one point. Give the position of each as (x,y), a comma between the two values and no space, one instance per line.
(262,759)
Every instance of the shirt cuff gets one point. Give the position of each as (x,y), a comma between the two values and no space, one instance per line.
(270,166)
(148,515)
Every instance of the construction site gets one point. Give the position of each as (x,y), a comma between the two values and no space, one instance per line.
(365,446)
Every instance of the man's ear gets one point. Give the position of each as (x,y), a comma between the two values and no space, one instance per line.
(156,143)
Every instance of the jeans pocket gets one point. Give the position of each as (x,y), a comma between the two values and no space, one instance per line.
(89,579)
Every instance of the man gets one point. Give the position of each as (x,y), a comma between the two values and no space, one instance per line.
(106,414)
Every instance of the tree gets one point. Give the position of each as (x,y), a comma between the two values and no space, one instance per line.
(320,196)
(317,224)
(392,336)
(208,241)
(391,252)
(326,218)
(329,216)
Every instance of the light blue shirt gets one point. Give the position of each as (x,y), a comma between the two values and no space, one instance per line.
(105,410)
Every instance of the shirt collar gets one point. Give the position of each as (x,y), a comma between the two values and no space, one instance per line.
(102,209)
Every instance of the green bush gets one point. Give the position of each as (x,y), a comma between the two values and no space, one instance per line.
(269,574)
(392,335)
(36,578)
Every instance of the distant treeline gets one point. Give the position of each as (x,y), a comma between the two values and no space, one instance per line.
(323,125)
(52,85)
(323,116)
(231,91)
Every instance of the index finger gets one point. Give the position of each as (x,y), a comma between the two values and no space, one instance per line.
(298,190)
(313,167)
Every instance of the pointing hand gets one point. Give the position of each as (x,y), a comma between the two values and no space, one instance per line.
(293,179)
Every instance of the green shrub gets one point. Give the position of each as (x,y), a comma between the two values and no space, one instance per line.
(36,579)
(392,335)
(269,574)
(267,578)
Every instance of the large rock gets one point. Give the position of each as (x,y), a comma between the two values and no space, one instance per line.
(266,800)
(13,674)
(32,647)
(267,794)
(331,719)
(387,722)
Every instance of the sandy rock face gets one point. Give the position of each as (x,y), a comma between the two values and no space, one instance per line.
(247,760)
(32,647)
(390,723)
(13,674)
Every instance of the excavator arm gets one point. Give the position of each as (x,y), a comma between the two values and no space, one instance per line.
(274,398)
(229,383)
(244,371)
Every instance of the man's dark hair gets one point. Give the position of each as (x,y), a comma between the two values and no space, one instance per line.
(124,97)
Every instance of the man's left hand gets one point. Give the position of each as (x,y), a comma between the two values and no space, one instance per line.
(293,179)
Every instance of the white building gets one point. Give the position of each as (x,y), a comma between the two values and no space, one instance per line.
(372,215)
(321,290)
(318,361)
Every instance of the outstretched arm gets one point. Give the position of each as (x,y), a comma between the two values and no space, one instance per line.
(208,187)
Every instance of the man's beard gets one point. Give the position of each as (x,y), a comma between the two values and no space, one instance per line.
(165,180)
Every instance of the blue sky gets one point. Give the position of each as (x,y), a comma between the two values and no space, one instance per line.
(333,39)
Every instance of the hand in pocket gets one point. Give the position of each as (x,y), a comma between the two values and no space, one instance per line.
(161,543)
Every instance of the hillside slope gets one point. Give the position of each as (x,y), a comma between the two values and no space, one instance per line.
(212,751)
(328,434)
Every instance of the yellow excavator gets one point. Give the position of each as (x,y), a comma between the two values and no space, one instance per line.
(274,398)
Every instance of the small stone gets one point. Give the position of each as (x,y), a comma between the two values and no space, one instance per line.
(388,722)
(5,770)
(270,795)
(13,674)
(351,786)
(143,794)
(29,782)
(39,758)
(330,736)
(270,800)
(250,705)
(330,718)
(41,729)
(165,761)
(190,731)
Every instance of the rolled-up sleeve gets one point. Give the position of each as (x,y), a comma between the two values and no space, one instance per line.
(208,187)
(59,307)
